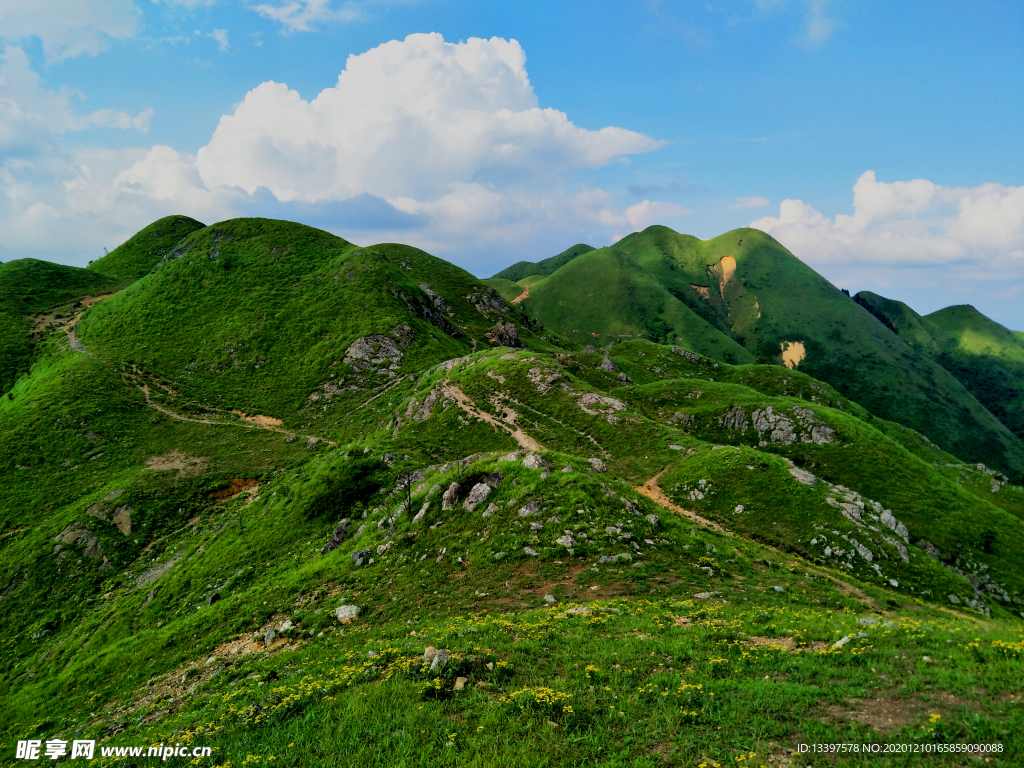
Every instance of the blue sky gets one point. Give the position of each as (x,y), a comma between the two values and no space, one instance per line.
(880,142)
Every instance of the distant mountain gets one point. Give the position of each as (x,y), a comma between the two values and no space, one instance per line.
(522,269)
(742,296)
(985,357)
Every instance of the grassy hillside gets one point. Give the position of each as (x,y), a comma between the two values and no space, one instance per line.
(140,254)
(522,269)
(742,296)
(637,555)
(984,356)
(29,288)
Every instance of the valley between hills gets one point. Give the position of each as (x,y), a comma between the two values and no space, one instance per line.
(668,502)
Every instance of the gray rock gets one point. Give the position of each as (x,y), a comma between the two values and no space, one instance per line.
(285,625)
(867,621)
(706,595)
(359,555)
(779,589)
(624,557)
(494,479)
(954,599)
(580,610)
(113,495)
(531,551)
(504,335)
(533,461)
(802,476)
(566,541)
(567,468)
(477,494)
(269,637)
(498,555)
(460,683)
(608,365)
(550,599)
(597,465)
(529,509)
(491,509)
(423,511)
(336,537)
(311,444)
(428,654)
(653,520)
(841,642)
(440,660)
(861,635)
(347,613)
(450,496)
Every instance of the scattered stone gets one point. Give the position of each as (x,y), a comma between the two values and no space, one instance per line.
(676,447)
(460,683)
(285,625)
(531,551)
(358,557)
(477,494)
(567,469)
(311,444)
(608,365)
(529,509)
(440,661)
(706,595)
(450,496)
(337,537)
(802,476)
(269,637)
(653,520)
(597,465)
(494,479)
(347,613)
(550,599)
(861,635)
(498,555)
(429,654)
(779,589)
(580,610)
(514,456)
(841,642)
(113,495)
(491,509)
(867,621)
(566,541)
(954,599)
(533,461)
(624,557)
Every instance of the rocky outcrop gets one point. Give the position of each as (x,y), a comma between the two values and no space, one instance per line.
(504,335)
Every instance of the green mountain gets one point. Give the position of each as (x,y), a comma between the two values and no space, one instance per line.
(522,269)
(985,357)
(301,501)
(742,296)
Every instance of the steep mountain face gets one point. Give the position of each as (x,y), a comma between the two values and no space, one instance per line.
(742,295)
(985,357)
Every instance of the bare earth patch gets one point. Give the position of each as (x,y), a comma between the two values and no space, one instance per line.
(263,421)
(793,353)
(176,460)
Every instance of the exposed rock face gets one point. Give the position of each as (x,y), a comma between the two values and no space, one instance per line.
(533,461)
(359,556)
(436,299)
(597,465)
(686,353)
(450,496)
(477,494)
(601,405)
(779,428)
(421,411)
(378,352)
(347,613)
(123,519)
(735,418)
(337,537)
(542,380)
(504,335)
(608,365)
(76,533)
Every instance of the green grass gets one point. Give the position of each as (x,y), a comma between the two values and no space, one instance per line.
(228,518)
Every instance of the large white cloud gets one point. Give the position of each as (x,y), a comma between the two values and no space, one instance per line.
(68,28)
(408,119)
(913,235)
(443,145)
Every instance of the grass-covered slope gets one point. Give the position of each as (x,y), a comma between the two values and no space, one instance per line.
(522,269)
(289,322)
(29,287)
(137,256)
(985,357)
(742,295)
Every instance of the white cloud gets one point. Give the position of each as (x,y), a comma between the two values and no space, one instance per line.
(221,36)
(939,238)
(299,15)
(749,202)
(818,26)
(30,114)
(68,28)
(442,145)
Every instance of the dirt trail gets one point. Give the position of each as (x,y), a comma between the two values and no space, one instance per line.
(249,422)
(653,491)
(508,424)
(524,295)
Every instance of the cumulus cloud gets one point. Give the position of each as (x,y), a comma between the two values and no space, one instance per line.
(962,235)
(68,28)
(749,202)
(443,145)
